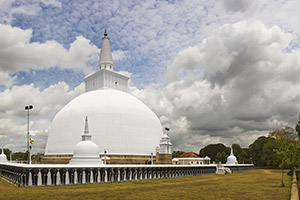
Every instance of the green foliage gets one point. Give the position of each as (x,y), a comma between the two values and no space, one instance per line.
(176,154)
(21,156)
(287,147)
(221,157)
(212,150)
(256,151)
(242,154)
(269,157)
(37,158)
(297,128)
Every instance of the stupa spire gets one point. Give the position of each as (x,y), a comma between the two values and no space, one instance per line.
(231,153)
(86,127)
(106,60)
(86,136)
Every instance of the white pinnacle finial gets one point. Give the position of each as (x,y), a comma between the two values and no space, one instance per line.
(86,127)
(86,136)
(105,60)
(231,153)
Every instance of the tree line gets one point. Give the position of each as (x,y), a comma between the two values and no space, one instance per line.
(281,148)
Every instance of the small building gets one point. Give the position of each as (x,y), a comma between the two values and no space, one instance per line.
(189,158)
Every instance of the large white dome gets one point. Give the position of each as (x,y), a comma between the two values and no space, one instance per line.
(119,123)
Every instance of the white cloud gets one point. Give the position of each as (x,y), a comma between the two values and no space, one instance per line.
(239,5)
(13,121)
(6,80)
(7,10)
(235,85)
(118,55)
(17,53)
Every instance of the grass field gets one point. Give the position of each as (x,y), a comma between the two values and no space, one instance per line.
(254,184)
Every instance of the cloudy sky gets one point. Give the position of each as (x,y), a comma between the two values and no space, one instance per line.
(213,71)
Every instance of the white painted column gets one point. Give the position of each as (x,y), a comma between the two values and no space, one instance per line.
(83,177)
(75,177)
(58,178)
(39,179)
(67,178)
(98,178)
(92,177)
(30,179)
(49,178)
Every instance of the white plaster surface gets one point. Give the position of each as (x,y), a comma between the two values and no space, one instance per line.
(118,121)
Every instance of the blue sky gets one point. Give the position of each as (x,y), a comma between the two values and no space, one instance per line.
(213,71)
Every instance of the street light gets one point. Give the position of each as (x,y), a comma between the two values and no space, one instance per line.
(105,156)
(29,107)
(167,130)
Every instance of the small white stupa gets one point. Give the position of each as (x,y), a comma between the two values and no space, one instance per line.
(231,160)
(3,158)
(86,151)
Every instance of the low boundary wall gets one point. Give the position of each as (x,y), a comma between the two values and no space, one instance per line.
(294,187)
(36,175)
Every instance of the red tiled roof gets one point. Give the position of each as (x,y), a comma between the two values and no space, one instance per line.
(188,155)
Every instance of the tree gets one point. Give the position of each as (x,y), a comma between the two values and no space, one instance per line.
(269,157)
(242,154)
(297,128)
(212,150)
(256,150)
(176,154)
(221,157)
(287,147)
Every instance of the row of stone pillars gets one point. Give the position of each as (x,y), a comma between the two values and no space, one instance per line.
(71,175)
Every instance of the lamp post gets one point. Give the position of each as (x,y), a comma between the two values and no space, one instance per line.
(151,158)
(29,107)
(104,156)
(167,131)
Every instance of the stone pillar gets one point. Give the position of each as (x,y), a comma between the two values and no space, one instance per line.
(83,176)
(30,178)
(49,178)
(127,172)
(87,175)
(44,172)
(58,181)
(95,175)
(62,176)
(116,174)
(67,181)
(79,175)
(122,174)
(133,173)
(102,175)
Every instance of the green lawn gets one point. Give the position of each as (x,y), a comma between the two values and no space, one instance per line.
(253,184)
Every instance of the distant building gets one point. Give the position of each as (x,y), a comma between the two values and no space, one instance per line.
(189,158)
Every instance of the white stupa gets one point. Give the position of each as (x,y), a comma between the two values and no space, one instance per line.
(120,123)
(231,160)
(3,157)
(86,151)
